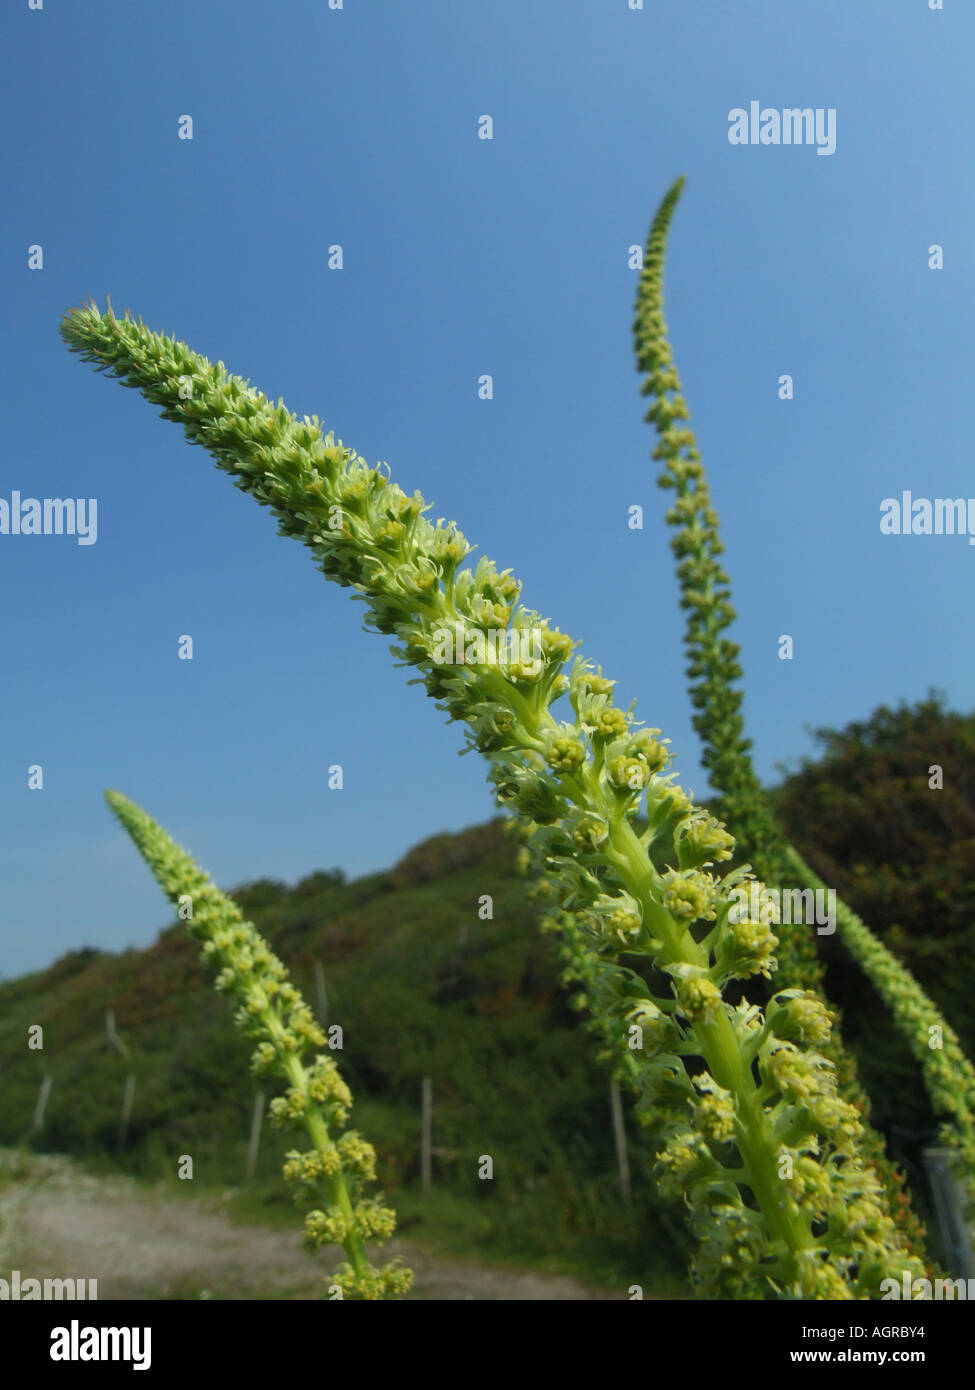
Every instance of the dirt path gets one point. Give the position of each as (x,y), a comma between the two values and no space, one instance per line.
(61,1222)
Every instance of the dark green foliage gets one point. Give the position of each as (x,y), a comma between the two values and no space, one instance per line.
(903,856)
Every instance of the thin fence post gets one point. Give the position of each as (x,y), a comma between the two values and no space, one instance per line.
(112,1034)
(426,1112)
(619,1134)
(255,1141)
(41,1105)
(322,996)
(127,1099)
(957,1235)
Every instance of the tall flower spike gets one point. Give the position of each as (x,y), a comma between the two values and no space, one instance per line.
(713,669)
(713,660)
(274,1016)
(759,1229)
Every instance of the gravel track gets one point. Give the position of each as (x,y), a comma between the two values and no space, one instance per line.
(61,1222)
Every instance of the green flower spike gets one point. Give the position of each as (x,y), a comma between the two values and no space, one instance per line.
(713,668)
(713,660)
(273,1014)
(759,1234)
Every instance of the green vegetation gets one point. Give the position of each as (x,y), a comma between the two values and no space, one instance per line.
(758,1124)
(421,986)
(713,672)
(901,852)
(483,1013)
(333,1177)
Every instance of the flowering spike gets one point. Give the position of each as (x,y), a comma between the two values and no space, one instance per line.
(713,668)
(757,1233)
(273,1014)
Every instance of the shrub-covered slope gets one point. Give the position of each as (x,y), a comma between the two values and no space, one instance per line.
(422,984)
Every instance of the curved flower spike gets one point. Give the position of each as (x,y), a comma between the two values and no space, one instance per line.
(713,668)
(777,1239)
(273,1014)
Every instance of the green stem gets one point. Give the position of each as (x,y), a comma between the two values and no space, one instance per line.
(722,1051)
(335,1185)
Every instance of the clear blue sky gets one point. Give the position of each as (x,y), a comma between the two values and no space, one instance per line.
(462,257)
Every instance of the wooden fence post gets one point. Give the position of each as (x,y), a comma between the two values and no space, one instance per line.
(112,1034)
(619,1134)
(255,1141)
(322,996)
(957,1235)
(41,1105)
(426,1127)
(127,1099)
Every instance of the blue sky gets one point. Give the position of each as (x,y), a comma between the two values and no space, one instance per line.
(358,127)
